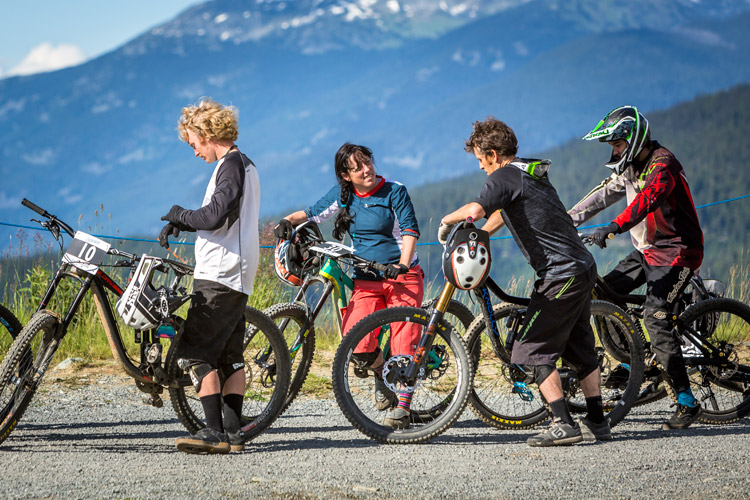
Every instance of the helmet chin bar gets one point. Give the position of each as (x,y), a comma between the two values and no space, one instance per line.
(617,163)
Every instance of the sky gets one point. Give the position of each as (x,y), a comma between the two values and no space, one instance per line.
(42,35)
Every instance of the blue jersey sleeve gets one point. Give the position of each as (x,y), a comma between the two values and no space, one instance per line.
(406,218)
(326,207)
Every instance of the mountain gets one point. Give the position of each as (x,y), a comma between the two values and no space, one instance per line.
(405,77)
(707,135)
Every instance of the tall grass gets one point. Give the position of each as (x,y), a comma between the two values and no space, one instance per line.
(26,271)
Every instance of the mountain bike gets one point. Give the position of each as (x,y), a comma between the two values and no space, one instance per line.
(715,336)
(31,353)
(438,375)
(296,319)
(504,395)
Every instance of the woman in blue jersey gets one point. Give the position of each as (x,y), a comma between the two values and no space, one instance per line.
(378,216)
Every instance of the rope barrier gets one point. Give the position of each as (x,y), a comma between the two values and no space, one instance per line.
(430,243)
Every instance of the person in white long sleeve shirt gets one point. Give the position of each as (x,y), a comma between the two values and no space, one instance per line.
(226,259)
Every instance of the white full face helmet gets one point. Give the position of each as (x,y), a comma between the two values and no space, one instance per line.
(622,123)
(141,306)
(466,258)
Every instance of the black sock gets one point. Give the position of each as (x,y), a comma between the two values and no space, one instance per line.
(560,410)
(594,407)
(212,410)
(234,402)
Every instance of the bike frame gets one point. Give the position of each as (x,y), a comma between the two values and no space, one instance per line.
(98,284)
(150,377)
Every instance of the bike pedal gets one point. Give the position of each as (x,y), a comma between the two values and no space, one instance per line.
(154,401)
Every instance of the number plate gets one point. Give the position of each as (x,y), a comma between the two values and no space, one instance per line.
(86,252)
(333,249)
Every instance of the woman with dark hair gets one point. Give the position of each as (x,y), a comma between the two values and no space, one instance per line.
(379,217)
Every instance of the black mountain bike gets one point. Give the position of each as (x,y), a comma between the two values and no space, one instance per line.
(504,396)
(32,351)
(715,336)
(324,278)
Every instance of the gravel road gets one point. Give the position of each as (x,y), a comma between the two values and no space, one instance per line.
(98,440)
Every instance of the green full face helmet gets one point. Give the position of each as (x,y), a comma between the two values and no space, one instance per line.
(622,123)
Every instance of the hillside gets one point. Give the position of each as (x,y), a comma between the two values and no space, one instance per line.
(311,74)
(709,137)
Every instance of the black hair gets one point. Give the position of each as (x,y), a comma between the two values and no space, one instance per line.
(360,154)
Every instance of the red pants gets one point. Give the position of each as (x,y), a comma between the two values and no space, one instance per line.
(371,296)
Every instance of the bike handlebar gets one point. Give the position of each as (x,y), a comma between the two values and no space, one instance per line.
(52,218)
(28,204)
(588,239)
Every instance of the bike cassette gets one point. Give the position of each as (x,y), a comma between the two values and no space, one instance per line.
(394,374)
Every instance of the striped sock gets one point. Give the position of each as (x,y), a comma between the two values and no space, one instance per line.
(404,400)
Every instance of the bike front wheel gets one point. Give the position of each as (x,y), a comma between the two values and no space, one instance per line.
(24,366)
(443,382)
(723,387)
(9,329)
(267,374)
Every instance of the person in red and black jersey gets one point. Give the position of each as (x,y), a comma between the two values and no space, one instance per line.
(665,231)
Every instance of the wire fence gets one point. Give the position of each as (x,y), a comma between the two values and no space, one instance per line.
(429,243)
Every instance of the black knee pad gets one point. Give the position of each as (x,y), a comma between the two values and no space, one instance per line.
(196,369)
(364,360)
(226,371)
(541,372)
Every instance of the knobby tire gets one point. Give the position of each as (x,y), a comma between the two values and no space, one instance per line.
(24,366)
(445,383)
(267,384)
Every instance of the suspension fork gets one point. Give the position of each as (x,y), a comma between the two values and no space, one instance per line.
(428,337)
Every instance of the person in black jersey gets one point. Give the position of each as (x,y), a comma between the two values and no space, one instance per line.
(518,193)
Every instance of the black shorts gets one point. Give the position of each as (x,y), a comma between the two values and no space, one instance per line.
(557,323)
(215,326)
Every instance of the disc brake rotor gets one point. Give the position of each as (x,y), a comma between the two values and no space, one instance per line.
(394,374)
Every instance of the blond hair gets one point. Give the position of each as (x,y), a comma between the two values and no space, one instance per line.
(210,120)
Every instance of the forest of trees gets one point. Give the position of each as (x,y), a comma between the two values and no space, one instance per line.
(708,135)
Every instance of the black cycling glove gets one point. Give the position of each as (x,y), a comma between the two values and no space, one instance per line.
(601,235)
(167,231)
(173,215)
(392,271)
(283,229)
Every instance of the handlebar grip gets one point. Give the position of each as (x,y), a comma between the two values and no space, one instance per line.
(379,267)
(26,203)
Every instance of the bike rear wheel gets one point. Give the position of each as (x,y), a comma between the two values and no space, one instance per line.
(267,375)
(299,333)
(724,390)
(443,383)
(621,371)
(24,366)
